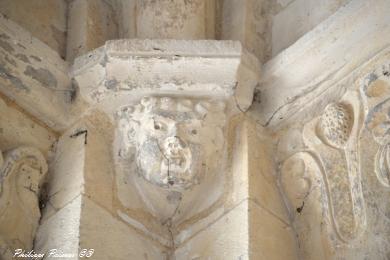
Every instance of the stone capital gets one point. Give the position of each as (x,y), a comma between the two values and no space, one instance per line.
(123,71)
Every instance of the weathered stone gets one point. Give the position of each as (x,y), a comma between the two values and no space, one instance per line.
(305,191)
(19,129)
(180,20)
(170,138)
(310,72)
(90,24)
(61,231)
(43,76)
(144,67)
(299,17)
(248,21)
(42,85)
(45,19)
(22,174)
(182,148)
(334,187)
(338,152)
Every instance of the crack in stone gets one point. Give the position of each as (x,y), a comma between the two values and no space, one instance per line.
(170,181)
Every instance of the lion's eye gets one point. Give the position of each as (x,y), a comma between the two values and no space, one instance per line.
(194,132)
(159,126)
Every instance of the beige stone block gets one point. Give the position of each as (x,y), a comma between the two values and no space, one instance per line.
(225,238)
(165,19)
(16,129)
(245,232)
(269,238)
(112,238)
(254,174)
(98,165)
(252,178)
(239,178)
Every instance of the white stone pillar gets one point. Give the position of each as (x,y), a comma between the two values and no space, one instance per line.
(246,21)
(90,24)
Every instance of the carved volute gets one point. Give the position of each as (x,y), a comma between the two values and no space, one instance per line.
(21,176)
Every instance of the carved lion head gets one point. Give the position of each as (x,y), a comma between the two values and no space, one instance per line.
(172,141)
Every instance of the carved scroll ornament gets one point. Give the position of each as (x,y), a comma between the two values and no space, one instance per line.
(21,176)
(375,92)
(303,186)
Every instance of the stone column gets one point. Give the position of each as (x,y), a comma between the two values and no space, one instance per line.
(90,24)
(246,21)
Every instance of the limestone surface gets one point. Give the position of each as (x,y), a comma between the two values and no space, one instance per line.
(195,129)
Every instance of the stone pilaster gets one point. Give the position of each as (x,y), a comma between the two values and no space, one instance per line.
(90,24)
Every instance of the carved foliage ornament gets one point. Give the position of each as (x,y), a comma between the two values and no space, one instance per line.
(335,125)
(172,140)
(322,183)
(333,138)
(303,186)
(375,92)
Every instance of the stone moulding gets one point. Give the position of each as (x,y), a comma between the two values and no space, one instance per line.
(35,76)
(22,173)
(310,71)
(126,70)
